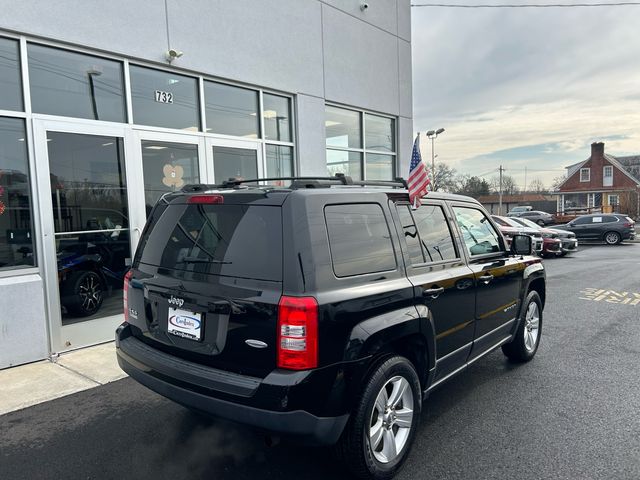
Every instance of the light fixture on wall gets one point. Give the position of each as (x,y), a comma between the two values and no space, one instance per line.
(364,6)
(172,54)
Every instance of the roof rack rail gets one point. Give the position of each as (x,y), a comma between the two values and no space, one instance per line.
(301,182)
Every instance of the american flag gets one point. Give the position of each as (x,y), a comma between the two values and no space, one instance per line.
(418,175)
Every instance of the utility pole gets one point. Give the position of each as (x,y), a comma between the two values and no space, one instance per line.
(500,192)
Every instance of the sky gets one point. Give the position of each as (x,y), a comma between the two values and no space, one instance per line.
(525,87)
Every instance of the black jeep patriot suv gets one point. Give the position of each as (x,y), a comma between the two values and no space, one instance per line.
(326,310)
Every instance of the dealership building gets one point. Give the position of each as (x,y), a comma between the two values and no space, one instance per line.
(105,106)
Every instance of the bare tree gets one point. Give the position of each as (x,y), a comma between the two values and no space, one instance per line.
(445,178)
(536,185)
(555,184)
(509,185)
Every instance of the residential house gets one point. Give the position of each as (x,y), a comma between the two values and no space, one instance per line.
(601,183)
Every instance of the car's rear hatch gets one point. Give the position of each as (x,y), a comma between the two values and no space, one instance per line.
(207,279)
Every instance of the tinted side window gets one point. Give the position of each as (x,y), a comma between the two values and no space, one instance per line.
(359,239)
(609,218)
(435,235)
(479,235)
(582,221)
(410,235)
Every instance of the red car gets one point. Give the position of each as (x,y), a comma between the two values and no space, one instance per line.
(508,229)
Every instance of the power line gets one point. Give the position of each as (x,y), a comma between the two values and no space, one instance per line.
(528,5)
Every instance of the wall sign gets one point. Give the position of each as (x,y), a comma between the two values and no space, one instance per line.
(164,97)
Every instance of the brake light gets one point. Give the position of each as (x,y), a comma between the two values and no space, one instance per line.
(628,225)
(206,199)
(297,333)
(125,294)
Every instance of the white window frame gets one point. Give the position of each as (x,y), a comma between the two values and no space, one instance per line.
(362,149)
(616,196)
(607,180)
(588,170)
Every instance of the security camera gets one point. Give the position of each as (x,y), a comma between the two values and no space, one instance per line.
(364,6)
(172,54)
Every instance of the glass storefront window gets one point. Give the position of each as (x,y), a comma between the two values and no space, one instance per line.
(279,161)
(234,163)
(379,167)
(380,133)
(164,99)
(342,128)
(342,161)
(344,141)
(10,82)
(277,117)
(167,167)
(75,85)
(231,110)
(17,249)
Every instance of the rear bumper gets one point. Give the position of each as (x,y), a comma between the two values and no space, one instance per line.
(200,388)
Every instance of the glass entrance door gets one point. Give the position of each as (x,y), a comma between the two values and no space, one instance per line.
(167,162)
(86,227)
(234,159)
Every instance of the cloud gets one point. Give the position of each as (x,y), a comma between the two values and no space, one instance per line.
(552,80)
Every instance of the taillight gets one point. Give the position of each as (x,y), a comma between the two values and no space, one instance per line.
(297,333)
(125,294)
(628,225)
(207,199)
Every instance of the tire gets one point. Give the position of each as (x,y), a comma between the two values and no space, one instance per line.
(83,293)
(525,344)
(612,238)
(373,458)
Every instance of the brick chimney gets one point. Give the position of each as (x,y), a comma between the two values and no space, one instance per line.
(597,150)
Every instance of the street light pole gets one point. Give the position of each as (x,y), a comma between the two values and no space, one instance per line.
(433,134)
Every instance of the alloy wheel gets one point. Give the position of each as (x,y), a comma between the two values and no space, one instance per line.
(391,419)
(531,327)
(612,238)
(90,293)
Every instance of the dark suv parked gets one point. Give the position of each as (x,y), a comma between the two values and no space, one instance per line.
(612,228)
(326,310)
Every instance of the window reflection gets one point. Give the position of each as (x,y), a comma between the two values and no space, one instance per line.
(10,82)
(16,238)
(277,117)
(359,239)
(349,163)
(342,128)
(167,167)
(234,163)
(231,110)
(87,182)
(380,133)
(164,99)
(75,85)
(379,167)
(478,234)
(279,161)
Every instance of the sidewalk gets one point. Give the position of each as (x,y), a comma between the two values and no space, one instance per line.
(72,372)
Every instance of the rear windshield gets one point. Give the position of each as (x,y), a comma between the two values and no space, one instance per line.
(230,240)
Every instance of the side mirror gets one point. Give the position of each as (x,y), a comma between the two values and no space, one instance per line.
(521,245)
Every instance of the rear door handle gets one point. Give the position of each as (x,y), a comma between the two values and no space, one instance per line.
(432,292)
(486,278)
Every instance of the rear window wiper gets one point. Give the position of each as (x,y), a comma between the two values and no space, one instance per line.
(203,260)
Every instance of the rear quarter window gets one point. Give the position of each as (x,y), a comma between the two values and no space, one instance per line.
(359,239)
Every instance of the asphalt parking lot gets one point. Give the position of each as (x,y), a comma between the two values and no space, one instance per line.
(571,413)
